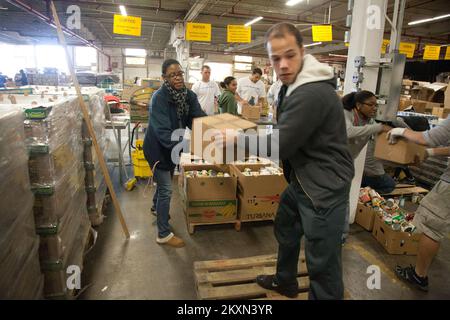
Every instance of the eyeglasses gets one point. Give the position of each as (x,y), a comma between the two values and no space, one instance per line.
(371,105)
(176,75)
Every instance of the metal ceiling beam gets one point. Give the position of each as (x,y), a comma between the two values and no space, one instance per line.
(49,21)
(195,10)
(326,48)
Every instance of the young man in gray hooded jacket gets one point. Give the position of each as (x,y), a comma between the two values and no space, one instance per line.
(317,162)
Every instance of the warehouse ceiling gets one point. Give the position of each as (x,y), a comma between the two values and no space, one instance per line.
(158,17)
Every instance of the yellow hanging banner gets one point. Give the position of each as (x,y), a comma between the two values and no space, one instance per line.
(384,45)
(198,32)
(127,25)
(447,53)
(407,48)
(322,33)
(239,33)
(431,52)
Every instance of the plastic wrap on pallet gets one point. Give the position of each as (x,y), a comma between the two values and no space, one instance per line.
(46,168)
(28,283)
(14,181)
(19,263)
(89,154)
(54,248)
(55,279)
(51,202)
(94,177)
(95,198)
(49,124)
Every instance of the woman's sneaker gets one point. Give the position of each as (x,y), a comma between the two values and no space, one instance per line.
(409,275)
(171,240)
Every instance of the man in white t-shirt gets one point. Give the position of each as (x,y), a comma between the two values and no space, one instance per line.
(251,90)
(207,92)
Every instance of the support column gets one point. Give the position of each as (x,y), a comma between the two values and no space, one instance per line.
(365,40)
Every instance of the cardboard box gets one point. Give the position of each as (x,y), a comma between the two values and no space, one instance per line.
(403,152)
(365,216)
(251,112)
(433,92)
(259,196)
(419,106)
(395,242)
(252,186)
(404,103)
(440,112)
(209,199)
(447,98)
(210,188)
(202,143)
(210,211)
(258,208)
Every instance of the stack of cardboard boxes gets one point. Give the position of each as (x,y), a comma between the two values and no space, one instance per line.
(430,98)
(20,274)
(245,190)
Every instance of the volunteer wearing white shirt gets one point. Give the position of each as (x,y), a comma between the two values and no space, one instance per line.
(249,87)
(272,95)
(207,92)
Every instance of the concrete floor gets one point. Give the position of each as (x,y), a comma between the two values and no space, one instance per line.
(142,269)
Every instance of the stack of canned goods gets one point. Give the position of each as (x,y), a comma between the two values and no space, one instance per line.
(389,210)
(206,174)
(265,171)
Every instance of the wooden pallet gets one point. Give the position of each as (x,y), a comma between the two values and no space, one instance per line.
(235,278)
(406,191)
(191,225)
(237,224)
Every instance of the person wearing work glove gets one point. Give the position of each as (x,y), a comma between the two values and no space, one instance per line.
(432,218)
(360,111)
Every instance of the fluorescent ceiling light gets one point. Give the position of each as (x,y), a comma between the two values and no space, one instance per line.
(293,2)
(253,21)
(429,19)
(337,55)
(123,11)
(312,44)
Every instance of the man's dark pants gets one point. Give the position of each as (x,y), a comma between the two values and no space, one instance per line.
(323,230)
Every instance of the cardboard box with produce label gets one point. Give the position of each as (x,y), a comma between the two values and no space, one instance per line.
(258,194)
(209,194)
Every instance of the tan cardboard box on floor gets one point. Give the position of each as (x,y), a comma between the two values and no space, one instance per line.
(395,242)
(403,152)
(365,216)
(210,199)
(206,149)
(251,112)
(259,196)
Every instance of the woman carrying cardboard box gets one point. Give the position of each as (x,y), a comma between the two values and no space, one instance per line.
(360,111)
(432,218)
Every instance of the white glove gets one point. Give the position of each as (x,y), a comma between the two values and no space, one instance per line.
(394,134)
(430,152)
